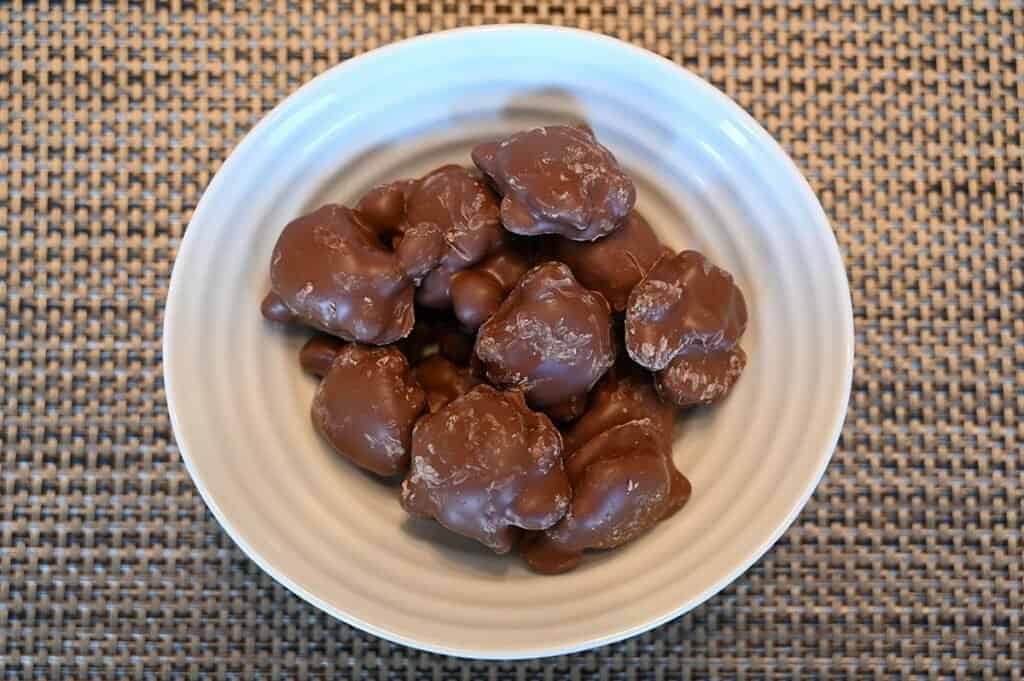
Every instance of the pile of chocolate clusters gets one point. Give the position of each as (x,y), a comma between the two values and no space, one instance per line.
(465,313)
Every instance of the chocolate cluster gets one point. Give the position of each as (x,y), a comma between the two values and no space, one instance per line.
(329,271)
(443,223)
(683,322)
(366,406)
(550,337)
(461,315)
(487,467)
(557,180)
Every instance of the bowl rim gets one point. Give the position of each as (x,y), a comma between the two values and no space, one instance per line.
(189,242)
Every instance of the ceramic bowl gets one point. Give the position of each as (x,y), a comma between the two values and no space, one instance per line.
(708,177)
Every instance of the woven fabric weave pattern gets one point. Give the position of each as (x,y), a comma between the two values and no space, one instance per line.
(906,119)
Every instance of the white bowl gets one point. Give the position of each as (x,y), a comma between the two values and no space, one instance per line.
(708,177)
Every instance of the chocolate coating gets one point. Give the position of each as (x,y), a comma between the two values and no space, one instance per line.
(366,406)
(485,465)
(444,222)
(443,381)
(335,275)
(678,493)
(274,309)
(701,377)
(476,296)
(465,207)
(626,393)
(508,264)
(622,484)
(551,337)
(318,354)
(383,207)
(477,293)
(557,180)
(420,249)
(684,305)
(612,266)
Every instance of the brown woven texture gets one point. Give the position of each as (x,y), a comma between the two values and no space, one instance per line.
(907,121)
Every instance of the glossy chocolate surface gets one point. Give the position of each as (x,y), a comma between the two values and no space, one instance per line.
(612,266)
(443,381)
(684,305)
(485,466)
(557,180)
(444,222)
(477,293)
(550,337)
(383,207)
(317,355)
(701,378)
(626,393)
(274,309)
(366,406)
(334,274)
(623,484)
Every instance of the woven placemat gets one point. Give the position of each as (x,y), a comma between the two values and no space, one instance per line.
(907,121)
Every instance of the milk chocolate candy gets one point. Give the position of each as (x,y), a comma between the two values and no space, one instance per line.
(476,293)
(319,352)
(550,337)
(452,209)
(485,466)
(679,490)
(274,309)
(443,381)
(612,266)
(384,207)
(626,393)
(476,296)
(466,209)
(622,483)
(684,305)
(557,180)
(334,274)
(700,378)
(366,406)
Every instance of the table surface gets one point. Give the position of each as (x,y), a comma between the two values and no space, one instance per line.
(906,120)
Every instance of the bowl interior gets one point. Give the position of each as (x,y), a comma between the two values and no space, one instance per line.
(707,177)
